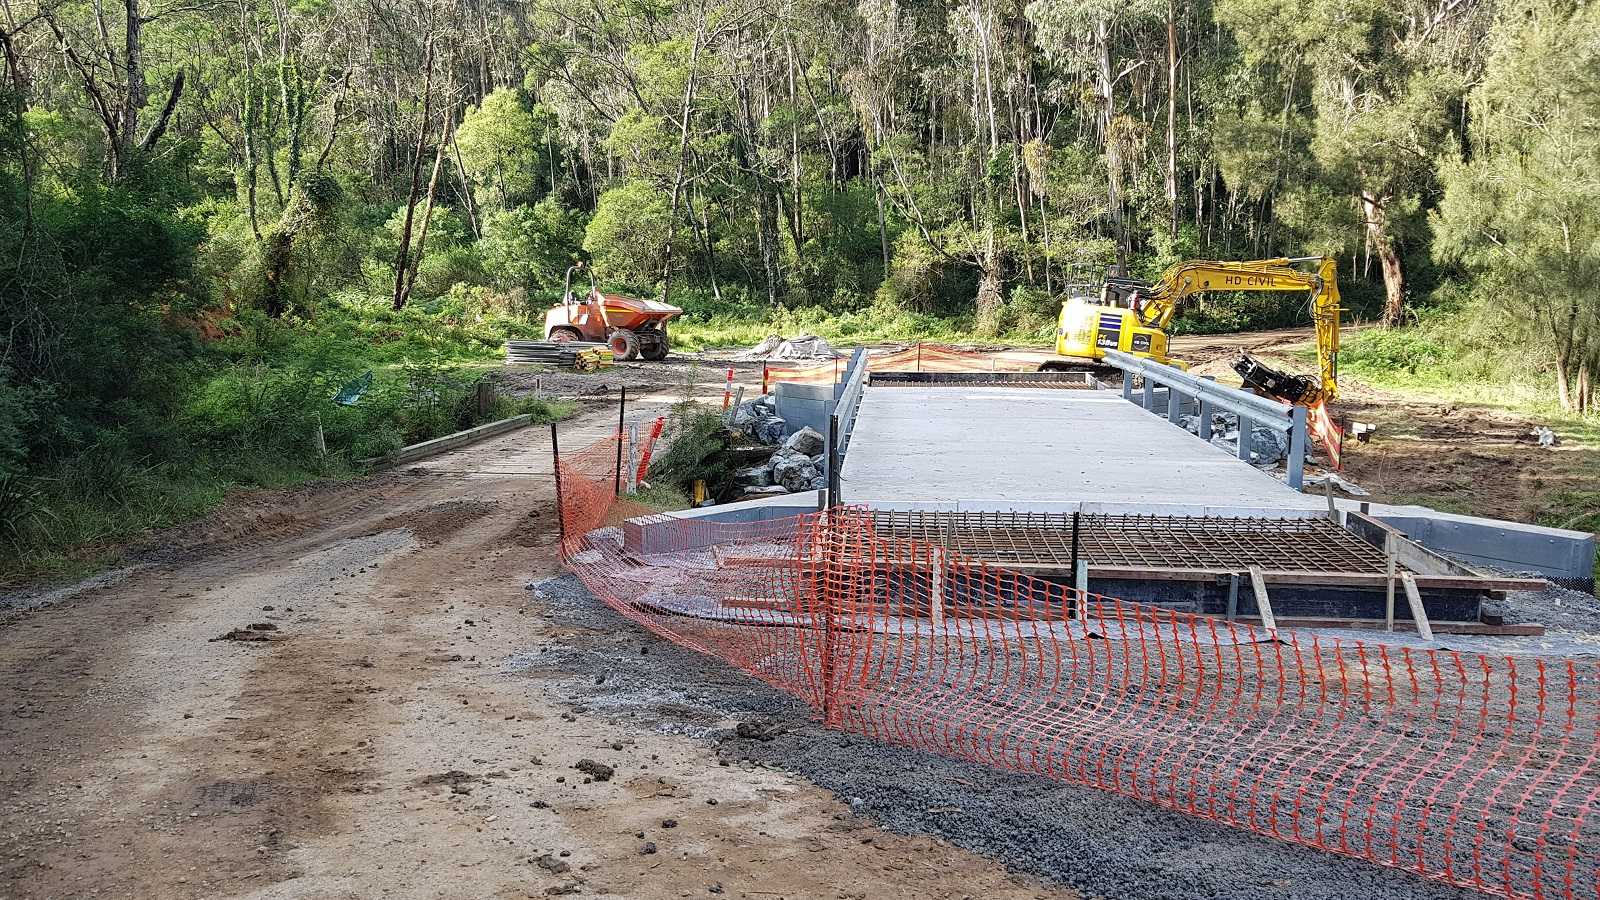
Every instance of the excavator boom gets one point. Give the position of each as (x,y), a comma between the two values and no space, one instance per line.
(1133,316)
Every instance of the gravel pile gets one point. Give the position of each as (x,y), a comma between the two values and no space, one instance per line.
(1098,843)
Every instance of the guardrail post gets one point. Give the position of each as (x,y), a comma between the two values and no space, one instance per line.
(1205,412)
(1174,405)
(1244,438)
(834,460)
(1150,393)
(1127,386)
(1297,447)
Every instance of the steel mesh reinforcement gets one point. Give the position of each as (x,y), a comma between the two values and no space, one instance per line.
(1475,770)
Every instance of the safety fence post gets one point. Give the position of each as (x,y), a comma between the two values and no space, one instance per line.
(622,430)
(555,465)
(649,447)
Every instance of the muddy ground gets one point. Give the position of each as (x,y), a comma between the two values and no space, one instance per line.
(1457,457)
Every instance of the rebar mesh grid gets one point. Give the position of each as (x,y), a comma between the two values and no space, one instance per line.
(1480,771)
(1139,541)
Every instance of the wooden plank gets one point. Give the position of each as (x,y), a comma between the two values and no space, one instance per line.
(1527,630)
(1263,603)
(1408,553)
(1152,573)
(1414,599)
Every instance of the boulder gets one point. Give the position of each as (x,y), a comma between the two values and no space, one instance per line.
(1268,446)
(806,441)
(799,478)
(755,476)
(769,430)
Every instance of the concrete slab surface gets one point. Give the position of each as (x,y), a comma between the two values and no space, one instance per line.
(996,448)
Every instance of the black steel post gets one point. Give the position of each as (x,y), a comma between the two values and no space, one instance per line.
(1082,600)
(622,429)
(834,460)
(1075,544)
(561,522)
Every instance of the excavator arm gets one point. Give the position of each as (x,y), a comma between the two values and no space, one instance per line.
(1133,316)
(1157,305)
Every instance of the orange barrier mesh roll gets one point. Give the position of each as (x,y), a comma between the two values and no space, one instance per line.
(1475,770)
(917,358)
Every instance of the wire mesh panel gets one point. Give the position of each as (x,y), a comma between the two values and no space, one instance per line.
(1476,770)
(1134,541)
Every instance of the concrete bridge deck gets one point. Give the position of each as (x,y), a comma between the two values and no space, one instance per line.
(1039,450)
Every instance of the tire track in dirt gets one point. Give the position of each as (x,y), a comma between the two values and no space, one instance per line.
(374,742)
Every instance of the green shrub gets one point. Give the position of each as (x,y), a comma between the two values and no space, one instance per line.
(530,247)
(626,238)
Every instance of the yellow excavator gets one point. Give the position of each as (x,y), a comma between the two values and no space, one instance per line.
(1132,316)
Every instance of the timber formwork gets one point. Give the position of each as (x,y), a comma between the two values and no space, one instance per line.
(1315,570)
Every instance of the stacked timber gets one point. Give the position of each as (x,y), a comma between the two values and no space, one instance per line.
(555,353)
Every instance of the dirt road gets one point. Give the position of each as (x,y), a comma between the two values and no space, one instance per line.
(372,739)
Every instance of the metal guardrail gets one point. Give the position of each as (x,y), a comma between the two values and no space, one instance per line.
(843,419)
(1209,397)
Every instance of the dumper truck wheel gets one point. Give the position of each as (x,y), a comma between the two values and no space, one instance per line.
(624,344)
(653,345)
(565,335)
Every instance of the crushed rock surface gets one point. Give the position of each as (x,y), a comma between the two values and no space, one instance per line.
(1098,843)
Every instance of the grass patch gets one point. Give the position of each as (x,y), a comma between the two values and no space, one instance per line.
(873,324)
(662,498)
(75,519)
(79,522)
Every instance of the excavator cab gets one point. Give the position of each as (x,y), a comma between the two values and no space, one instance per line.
(1089,326)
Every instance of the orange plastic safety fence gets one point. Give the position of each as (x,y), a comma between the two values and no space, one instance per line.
(917,358)
(1476,770)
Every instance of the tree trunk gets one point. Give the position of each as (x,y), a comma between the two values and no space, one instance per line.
(466,187)
(1563,382)
(883,230)
(1172,115)
(767,237)
(249,116)
(683,162)
(1105,87)
(1382,244)
(794,156)
(702,232)
(990,296)
(402,261)
(427,216)
(136,93)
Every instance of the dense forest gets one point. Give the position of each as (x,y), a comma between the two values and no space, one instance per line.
(214,213)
